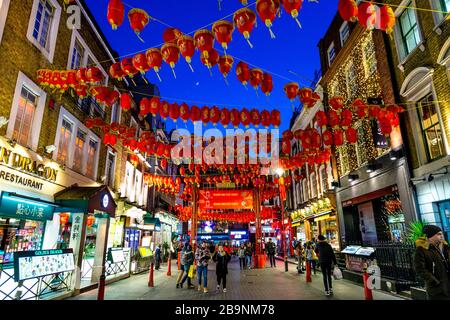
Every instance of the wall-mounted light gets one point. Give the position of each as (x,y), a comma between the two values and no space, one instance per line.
(352,177)
(12,143)
(373,166)
(50,148)
(335,184)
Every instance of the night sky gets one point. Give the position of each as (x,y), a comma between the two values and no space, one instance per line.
(293,51)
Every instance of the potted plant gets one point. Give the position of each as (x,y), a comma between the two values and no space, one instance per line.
(415,230)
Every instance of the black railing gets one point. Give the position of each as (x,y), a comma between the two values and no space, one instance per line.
(90,107)
(396,262)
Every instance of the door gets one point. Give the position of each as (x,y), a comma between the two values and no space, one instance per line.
(444,211)
(367,222)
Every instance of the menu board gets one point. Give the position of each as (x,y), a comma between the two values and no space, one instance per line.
(115,255)
(351,249)
(34,264)
(145,252)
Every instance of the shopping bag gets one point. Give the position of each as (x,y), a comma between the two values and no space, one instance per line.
(314,256)
(191,271)
(337,273)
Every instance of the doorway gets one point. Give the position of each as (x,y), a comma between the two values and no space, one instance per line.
(444,212)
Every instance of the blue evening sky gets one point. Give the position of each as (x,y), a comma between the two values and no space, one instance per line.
(294,50)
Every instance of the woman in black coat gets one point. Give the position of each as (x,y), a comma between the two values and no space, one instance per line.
(221,257)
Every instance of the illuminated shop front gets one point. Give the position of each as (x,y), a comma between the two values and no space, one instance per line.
(318,218)
(169,227)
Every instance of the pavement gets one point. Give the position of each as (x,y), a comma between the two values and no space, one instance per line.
(253,284)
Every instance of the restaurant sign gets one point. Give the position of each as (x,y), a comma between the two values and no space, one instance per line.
(18,207)
(225,199)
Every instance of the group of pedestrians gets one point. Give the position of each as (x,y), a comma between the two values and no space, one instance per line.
(199,261)
(245,254)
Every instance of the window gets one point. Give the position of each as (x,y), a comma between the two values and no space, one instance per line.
(43,26)
(439,8)
(323,177)
(370,59)
(24,117)
(91,159)
(110,168)
(445,5)
(4,6)
(305,190)
(77,55)
(64,141)
(431,128)
(313,185)
(344,33)
(409,32)
(331,52)
(352,84)
(115,113)
(80,143)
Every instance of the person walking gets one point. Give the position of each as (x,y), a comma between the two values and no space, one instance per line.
(241,255)
(189,260)
(327,260)
(299,253)
(157,257)
(432,263)
(221,257)
(311,257)
(182,263)
(248,255)
(271,250)
(202,256)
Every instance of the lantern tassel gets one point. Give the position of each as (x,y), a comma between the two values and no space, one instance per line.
(220,5)
(245,86)
(145,80)
(256,91)
(134,83)
(210,72)
(157,74)
(226,81)
(272,35)
(249,43)
(298,22)
(173,71)
(139,36)
(190,66)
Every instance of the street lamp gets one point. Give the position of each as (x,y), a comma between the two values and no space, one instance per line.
(280,172)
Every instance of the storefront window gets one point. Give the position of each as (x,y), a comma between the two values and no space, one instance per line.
(19,235)
(391,208)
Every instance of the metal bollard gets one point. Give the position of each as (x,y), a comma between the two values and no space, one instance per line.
(150,278)
(169,266)
(101,288)
(367,291)
(308,271)
(286,268)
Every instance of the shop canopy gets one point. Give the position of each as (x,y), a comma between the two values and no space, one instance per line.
(88,199)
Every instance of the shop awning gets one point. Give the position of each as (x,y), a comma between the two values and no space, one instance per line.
(324,217)
(87,199)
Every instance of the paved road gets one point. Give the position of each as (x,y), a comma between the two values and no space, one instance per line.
(255,284)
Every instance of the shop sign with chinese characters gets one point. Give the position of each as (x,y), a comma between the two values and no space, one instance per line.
(21,208)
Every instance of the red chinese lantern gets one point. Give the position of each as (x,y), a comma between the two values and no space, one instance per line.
(265,118)
(63,218)
(245,117)
(116,71)
(243,72)
(171,35)
(316,139)
(89,123)
(171,55)
(338,137)
(367,15)
(90,221)
(154,106)
(374,110)
(154,60)
(224,117)
(164,110)
(321,118)
(144,107)
(174,111)
(298,134)
(94,75)
(235,117)
(81,91)
(293,7)
(267,84)
(225,65)
(351,135)
(128,68)
(255,117)
(55,81)
(138,21)
(211,60)
(214,115)
(327,138)
(275,118)
(164,164)
(348,9)
(267,11)
(291,90)
(256,76)
(385,126)
(134,159)
(337,103)
(223,31)
(387,19)
(195,114)
(204,41)
(286,146)
(244,20)
(72,78)
(116,13)
(187,48)
(140,63)
(184,112)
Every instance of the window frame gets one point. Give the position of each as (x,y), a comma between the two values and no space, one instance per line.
(438,17)
(4,7)
(401,51)
(73,130)
(110,182)
(341,29)
(53,30)
(331,47)
(23,80)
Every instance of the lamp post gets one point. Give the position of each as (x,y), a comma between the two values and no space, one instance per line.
(280,172)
